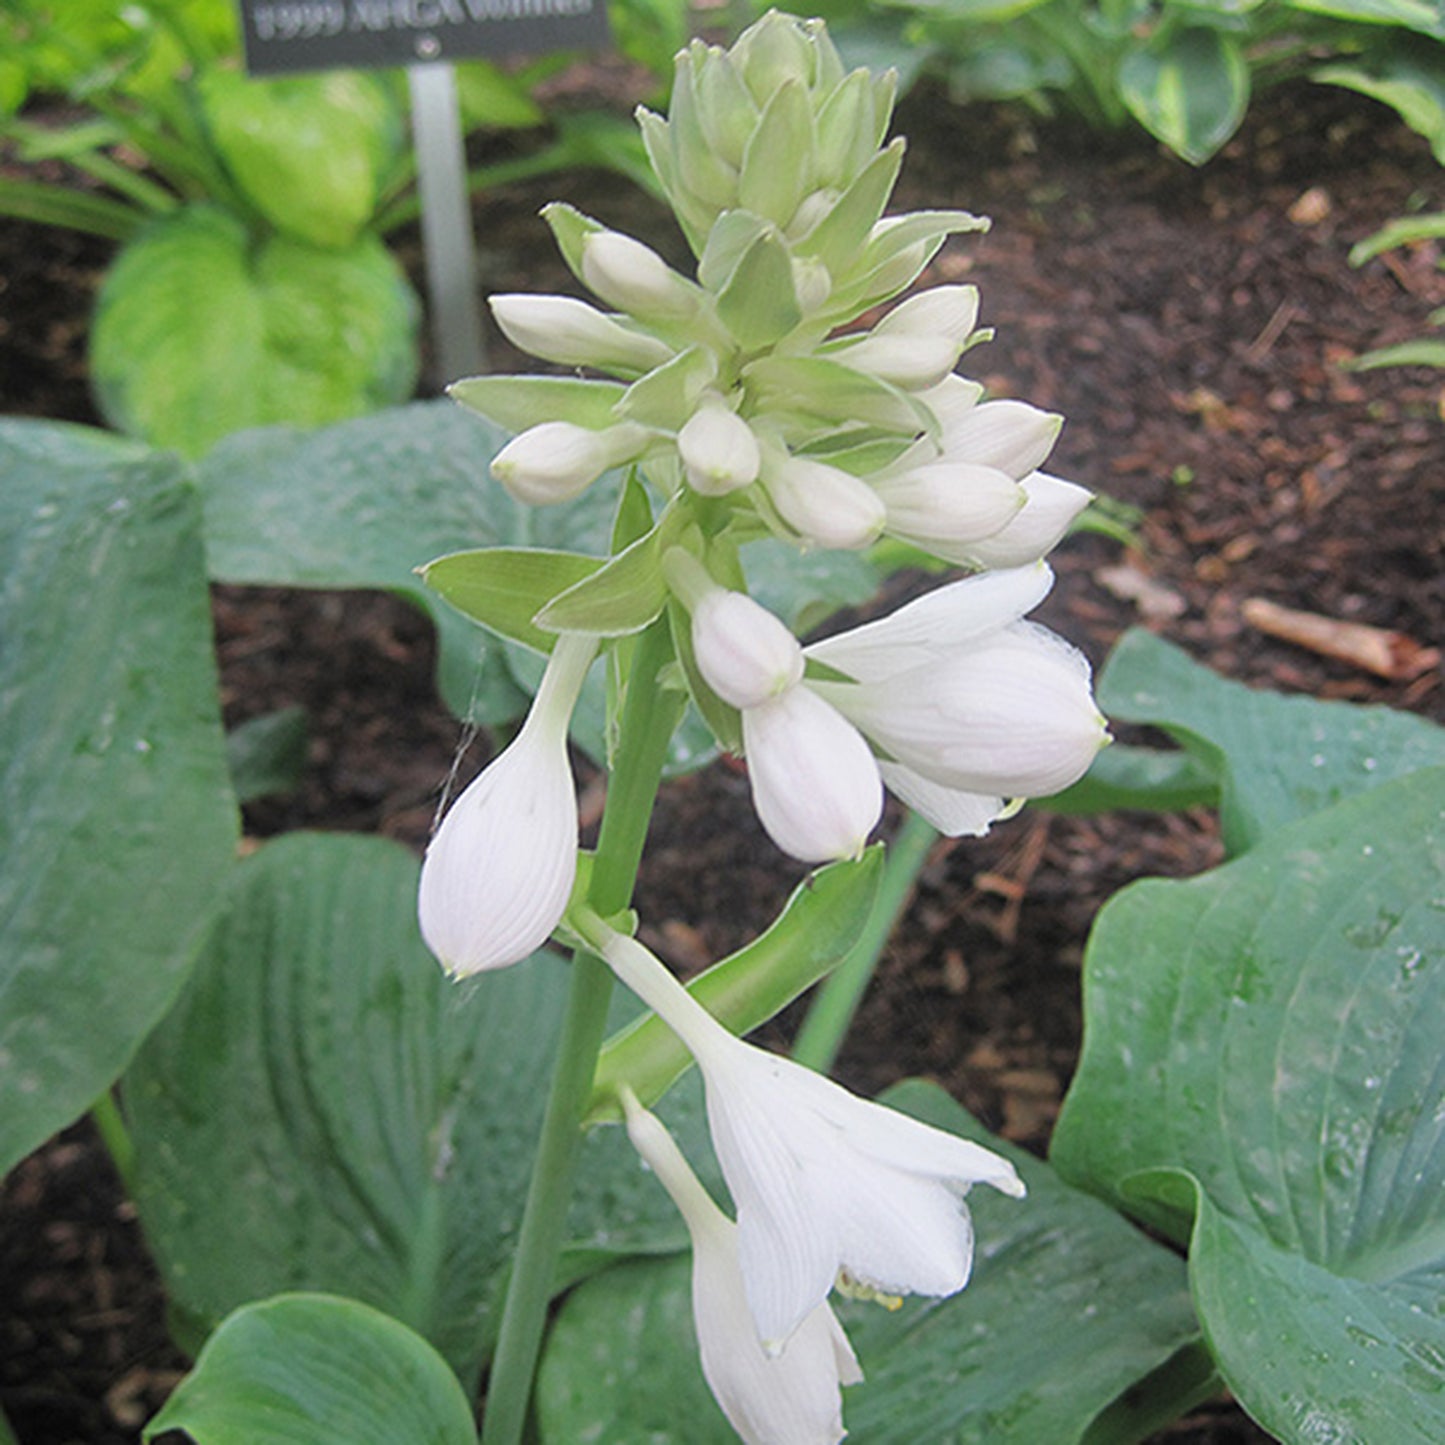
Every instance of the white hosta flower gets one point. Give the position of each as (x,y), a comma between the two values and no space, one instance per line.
(719,451)
(947,503)
(814,781)
(792,1397)
(1012,436)
(745,654)
(634,278)
(557,460)
(911,362)
(824,505)
(824,1182)
(955,812)
(1050,506)
(499,870)
(572,333)
(1011,715)
(950,311)
(952,399)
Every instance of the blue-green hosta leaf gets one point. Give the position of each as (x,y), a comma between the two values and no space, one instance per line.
(1277,758)
(1262,1051)
(200,332)
(345,1118)
(1068,1308)
(118,821)
(365,503)
(1190,89)
(302,1368)
(310,152)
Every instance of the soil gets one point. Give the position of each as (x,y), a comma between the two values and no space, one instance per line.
(1192,324)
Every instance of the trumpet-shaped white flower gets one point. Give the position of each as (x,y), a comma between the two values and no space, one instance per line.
(745,654)
(791,1397)
(824,1182)
(970,705)
(572,333)
(557,460)
(718,450)
(815,783)
(499,870)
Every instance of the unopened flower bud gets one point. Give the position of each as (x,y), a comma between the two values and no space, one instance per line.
(950,311)
(1010,435)
(572,333)
(745,654)
(555,461)
(943,502)
(719,451)
(912,362)
(633,277)
(825,505)
(1050,505)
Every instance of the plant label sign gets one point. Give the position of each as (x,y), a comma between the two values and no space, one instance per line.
(291,35)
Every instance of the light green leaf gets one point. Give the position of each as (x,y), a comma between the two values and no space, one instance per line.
(1403,231)
(504,588)
(778,161)
(310,152)
(1069,1307)
(200,332)
(1424,351)
(302,1368)
(1411,80)
(1277,758)
(1262,1045)
(324,1100)
(490,99)
(758,304)
(519,402)
(1421,15)
(118,821)
(1190,89)
(363,504)
(840,236)
(668,395)
(833,393)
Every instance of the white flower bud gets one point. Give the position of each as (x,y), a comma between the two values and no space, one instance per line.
(953,811)
(499,871)
(1009,435)
(1050,505)
(815,783)
(745,654)
(825,505)
(633,277)
(572,333)
(718,451)
(913,362)
(951,400)
(555,461)
(945,502)
(950,311)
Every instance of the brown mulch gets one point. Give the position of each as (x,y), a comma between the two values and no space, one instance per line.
(1191,324)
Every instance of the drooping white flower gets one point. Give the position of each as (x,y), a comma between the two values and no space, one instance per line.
(634,278)
(557,460)
(791,1397)
(947,503)
(745,654)
(970,705)
(824,1182)
(718,449)
(815,783)
(499,870)
(1011,715)
(572,333)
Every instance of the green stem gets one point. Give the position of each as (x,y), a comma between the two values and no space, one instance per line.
(832,1011)
(649,717)
(74,210)
(7,1435)
(110,1125)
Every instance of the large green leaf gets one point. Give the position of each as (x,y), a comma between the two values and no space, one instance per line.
(345,1118)
(303,1368)
(117,821)
(1277,758)
(1190,88)
(365,503)
(1262,1051)
(201,332)
(1069,1308)
(310,152)
(1422,15)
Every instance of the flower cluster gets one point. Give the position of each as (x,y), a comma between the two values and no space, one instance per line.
(753,402)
